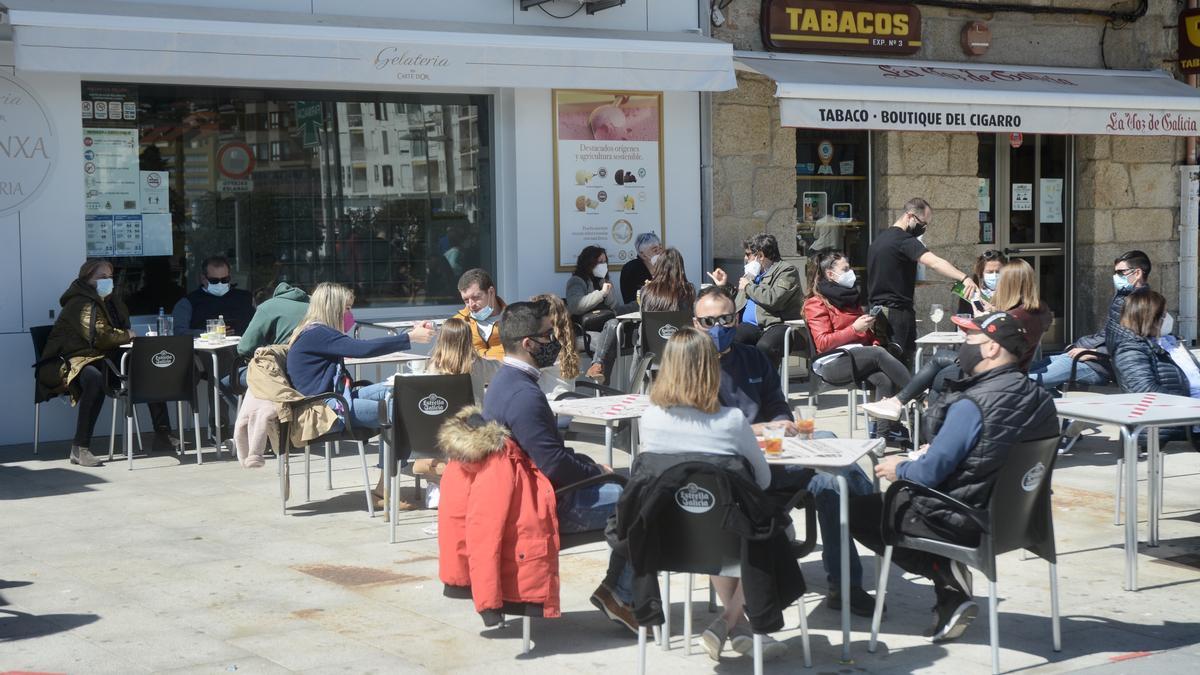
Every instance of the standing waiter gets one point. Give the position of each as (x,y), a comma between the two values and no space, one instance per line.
(892,272)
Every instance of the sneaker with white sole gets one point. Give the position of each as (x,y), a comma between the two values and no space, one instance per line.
(741,639)
(713,639)
(951,617)
(886,409)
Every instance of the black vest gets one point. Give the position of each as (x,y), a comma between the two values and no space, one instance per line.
(237,306)
(1014,410)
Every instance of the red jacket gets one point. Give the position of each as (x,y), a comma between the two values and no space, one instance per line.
(497,524)
(831,327)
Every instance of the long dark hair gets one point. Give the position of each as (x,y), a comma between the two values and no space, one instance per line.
(669,290)
(825,262)
(586,261)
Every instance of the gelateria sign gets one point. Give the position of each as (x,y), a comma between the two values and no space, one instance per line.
(841,26)
(27,145)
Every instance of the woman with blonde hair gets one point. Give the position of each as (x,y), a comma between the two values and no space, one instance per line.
(685,416)
(454,354)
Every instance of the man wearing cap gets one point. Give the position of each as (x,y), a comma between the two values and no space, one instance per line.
(975,425)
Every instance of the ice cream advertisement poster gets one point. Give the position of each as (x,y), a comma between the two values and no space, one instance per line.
(608,167)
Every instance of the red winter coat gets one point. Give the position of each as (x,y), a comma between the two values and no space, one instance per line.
(497,524)
(831,327)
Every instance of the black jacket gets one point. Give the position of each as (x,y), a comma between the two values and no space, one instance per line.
(1143,366)
(1014,410)
(771,577)
(1102,341)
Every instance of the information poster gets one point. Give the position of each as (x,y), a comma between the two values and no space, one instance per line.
(155,192)
(127,235)
(110,170)
(1051,198)
(608,159)
(1022,197)
(99,236)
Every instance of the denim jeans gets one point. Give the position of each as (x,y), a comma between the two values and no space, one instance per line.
(604,347)
(1055,371)
(364,407)
(588,510)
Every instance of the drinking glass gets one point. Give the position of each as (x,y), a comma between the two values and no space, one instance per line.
(166,325)
(806,420)
(144,330)
(416,367)
(210,330)
(773,441)
(935,315)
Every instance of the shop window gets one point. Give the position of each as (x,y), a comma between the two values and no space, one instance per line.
(833,208)
(277,181)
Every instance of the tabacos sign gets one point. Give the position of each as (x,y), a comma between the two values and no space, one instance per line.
(1189,41)
(27,145)
(840,26)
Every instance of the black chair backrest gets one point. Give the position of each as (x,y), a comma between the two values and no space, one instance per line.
(691,535)
(161,369)
(420,404)
(658,327)
(1019,507)
(40,335)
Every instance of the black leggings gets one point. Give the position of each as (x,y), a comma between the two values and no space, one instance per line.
(93,386)
(941,366)
(769,341)
(885,373)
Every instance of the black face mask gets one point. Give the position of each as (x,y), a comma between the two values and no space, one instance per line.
(969,356)
(544,355)
(918,229)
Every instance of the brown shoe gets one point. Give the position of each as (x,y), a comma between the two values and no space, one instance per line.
(429,467)
(596,373)
(612,608)
(83,457)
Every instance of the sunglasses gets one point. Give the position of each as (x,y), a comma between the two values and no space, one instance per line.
(726,320)
(542,338)
(1125,272)
(221,280)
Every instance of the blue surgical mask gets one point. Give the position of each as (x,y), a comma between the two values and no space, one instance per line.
(1121,283)
(990,279)
(483,314)
(104,287)
(722,337)
(217,289)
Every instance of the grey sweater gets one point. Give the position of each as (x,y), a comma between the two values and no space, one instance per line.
(682,429)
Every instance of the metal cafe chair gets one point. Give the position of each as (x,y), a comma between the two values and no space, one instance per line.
(1017,516)
(159,370)
(420,404)
(347,432)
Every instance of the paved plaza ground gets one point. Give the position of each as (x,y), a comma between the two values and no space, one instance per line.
(180,568)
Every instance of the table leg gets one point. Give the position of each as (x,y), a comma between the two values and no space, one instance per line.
(619,366)
(1129,438)
(787,351)
(1153,468)
(216,404)
(844,527)
(608,441)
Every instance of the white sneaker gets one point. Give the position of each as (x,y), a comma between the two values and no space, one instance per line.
(887,409)
(741,640)
(432,494)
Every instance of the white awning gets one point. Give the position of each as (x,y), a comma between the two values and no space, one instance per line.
(831,92)
(155,43)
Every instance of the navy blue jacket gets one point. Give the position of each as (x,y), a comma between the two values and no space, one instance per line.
(315,359)
(750,383)
(515,400)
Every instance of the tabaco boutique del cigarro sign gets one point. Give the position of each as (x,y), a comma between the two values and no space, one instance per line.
(841,26)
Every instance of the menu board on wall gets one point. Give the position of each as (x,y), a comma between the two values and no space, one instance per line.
(608,169)
(110,170)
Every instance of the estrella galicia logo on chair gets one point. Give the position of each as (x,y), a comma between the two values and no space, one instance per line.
(1033,477)
(163,359)
(667,331)
(695,499)
(433,405)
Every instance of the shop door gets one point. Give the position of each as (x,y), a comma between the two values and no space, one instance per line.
(1028,197)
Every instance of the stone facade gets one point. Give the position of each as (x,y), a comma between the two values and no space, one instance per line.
(1127,188)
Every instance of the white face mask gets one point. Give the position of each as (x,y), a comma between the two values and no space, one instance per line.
(752,269)
(1168,324)
(654,260)
(846,279)
(217,289)
(104,287)
(600,271)
(990,279)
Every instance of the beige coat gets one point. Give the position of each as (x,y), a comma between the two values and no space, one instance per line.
(267,380)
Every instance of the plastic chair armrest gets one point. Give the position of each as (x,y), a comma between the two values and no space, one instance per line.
(977,516)
(602,389)
(1100,356)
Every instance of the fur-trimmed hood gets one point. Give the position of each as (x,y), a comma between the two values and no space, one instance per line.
(467,437)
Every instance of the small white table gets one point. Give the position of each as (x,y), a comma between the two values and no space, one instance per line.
(829,454)
(1133,413)
(395,326)
(620,368)
(398,358)
(784,376)
(610,410)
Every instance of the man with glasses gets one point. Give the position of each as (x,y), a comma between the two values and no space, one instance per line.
(1131,274)
(751,384)
(892,272)
(515,400)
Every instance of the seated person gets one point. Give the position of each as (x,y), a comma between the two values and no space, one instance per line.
(316,359)
(559,377)
(835,319)
(986,276)
(454,354)
(976,424)
(481,309)
(751,384)
(1141,363)
(273,323)
(89,330)
(1017,293)
(216,298)
(592,302)
(686,417)
(515,400)
(1131,273)
(638,271)
(768,294)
